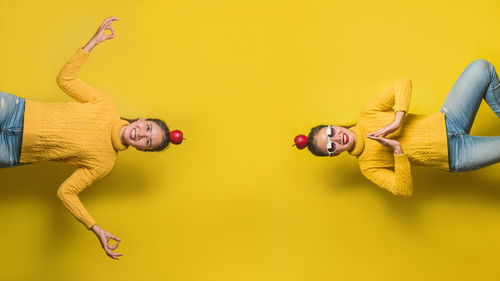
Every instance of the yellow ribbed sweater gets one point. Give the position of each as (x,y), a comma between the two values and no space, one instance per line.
(84,133)
(422,137)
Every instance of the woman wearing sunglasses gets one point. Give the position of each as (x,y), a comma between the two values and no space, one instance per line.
(387,140)
(87,133)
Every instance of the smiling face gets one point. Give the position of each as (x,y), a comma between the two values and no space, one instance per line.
(142,134)
(342,139)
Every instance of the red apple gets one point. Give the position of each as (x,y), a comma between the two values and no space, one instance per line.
(176,137)
(300,141)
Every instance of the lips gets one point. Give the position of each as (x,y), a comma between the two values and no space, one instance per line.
(345,138)
(132,134)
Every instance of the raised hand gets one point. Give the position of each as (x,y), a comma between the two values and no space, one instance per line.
(100,35)
(104,238)
(393,144)
(384,131)
(391,128)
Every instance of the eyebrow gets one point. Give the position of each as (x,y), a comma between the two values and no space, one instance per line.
(150,140)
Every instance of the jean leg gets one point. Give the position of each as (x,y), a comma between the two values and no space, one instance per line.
(11,129)
(473,152)
(479,80)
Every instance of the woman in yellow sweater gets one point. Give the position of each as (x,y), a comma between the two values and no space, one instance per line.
(88,134)
(387,141)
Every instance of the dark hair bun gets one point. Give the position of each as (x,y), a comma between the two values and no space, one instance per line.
(300,141)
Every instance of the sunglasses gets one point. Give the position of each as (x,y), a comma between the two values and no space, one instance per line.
(331,147)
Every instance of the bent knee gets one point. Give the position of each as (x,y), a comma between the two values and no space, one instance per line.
(481,65)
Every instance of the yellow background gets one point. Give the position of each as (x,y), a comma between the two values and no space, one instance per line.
(236,201)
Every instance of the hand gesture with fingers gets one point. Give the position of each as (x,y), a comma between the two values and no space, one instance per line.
(390,128)
(104,238)
(384,131)
(394,144)
(100,35)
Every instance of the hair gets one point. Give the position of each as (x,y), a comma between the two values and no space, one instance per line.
(166,133)
(311,140)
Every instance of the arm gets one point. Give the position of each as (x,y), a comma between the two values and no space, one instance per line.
(398,182)
(68,79)
(397,96)
(70,189)
(68,194)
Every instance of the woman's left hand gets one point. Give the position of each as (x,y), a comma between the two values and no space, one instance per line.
(384,131)
(104,238)
(391,128)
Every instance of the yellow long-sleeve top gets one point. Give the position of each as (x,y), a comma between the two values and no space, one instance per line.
(422,137)
(85,133)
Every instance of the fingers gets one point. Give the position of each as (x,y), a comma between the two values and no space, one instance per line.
(109,20)
(107,37)
(113,247)
(377,133)
(112,29)
(106,25)
(386,142)
(109,250)
(381,140)
(113,255)
(114,238)
(374,138)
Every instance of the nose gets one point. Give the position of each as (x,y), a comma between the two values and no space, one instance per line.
(142,133)
(336,138)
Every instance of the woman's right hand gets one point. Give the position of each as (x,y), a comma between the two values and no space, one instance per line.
(104,237)
(100,34)
(394,144)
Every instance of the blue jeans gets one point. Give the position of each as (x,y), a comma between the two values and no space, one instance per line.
(465,152)
(11,129)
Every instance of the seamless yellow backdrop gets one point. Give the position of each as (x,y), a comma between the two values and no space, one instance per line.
(236,201)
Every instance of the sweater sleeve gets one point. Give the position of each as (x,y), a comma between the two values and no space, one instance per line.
(397,97)
(69,82)
(72,186)
(397,181)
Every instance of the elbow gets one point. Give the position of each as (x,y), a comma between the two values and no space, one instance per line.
(405,192)
(60,81)
(62,194)
(63,81)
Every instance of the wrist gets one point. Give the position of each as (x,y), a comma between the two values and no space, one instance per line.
(89,46)
(398,150)
(95,228)
(397,122)
(398,116)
